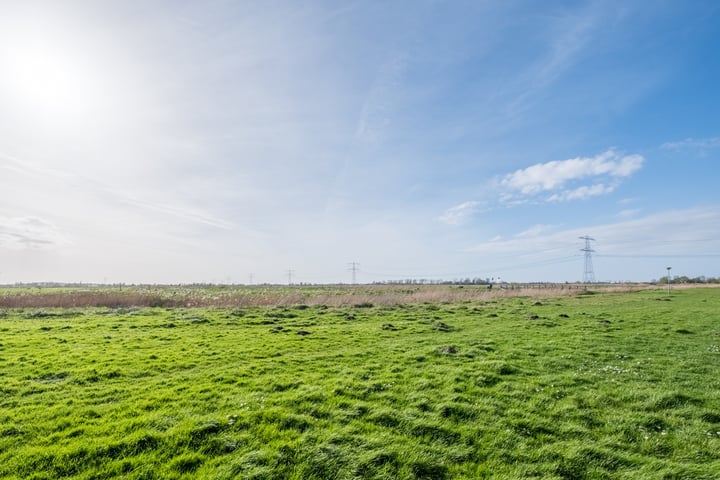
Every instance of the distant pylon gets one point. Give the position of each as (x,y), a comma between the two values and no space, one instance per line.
(353,267)
(588,273)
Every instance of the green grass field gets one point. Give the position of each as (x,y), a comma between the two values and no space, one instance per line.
(590,386)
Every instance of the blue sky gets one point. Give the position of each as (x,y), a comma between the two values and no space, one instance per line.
(172,141)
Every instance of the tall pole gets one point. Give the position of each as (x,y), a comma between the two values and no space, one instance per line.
(668,280)
(588,273)
(353,267)
(290,274)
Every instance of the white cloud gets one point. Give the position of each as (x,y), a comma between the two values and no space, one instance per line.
(581,193)
(554,175)
(526,185)
(459,213)
(29,233)
(561,177)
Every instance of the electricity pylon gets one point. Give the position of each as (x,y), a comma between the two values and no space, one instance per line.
(353,267)
(588,273)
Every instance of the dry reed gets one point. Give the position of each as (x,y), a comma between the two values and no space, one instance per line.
(335,296)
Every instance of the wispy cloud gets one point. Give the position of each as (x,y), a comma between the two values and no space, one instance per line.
(30,233)
(692,143)
(628,213)
(554,176)
(564,40)
(564,48)
(102,189)
(461,213)
(17,165)
(375,111)
(533,231)
(675,232)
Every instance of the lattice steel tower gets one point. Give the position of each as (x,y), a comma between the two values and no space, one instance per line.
(353,267)
(588,274)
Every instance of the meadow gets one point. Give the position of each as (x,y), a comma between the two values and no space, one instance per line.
(578,385)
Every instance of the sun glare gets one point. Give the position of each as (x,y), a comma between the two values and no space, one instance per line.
(50,81)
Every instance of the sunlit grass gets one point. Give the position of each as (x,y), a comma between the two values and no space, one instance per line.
(612,385)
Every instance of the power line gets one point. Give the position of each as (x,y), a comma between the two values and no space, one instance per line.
(290,273)
(541,263)
(662,255)
(420,275)
(588,273)
(495,268)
